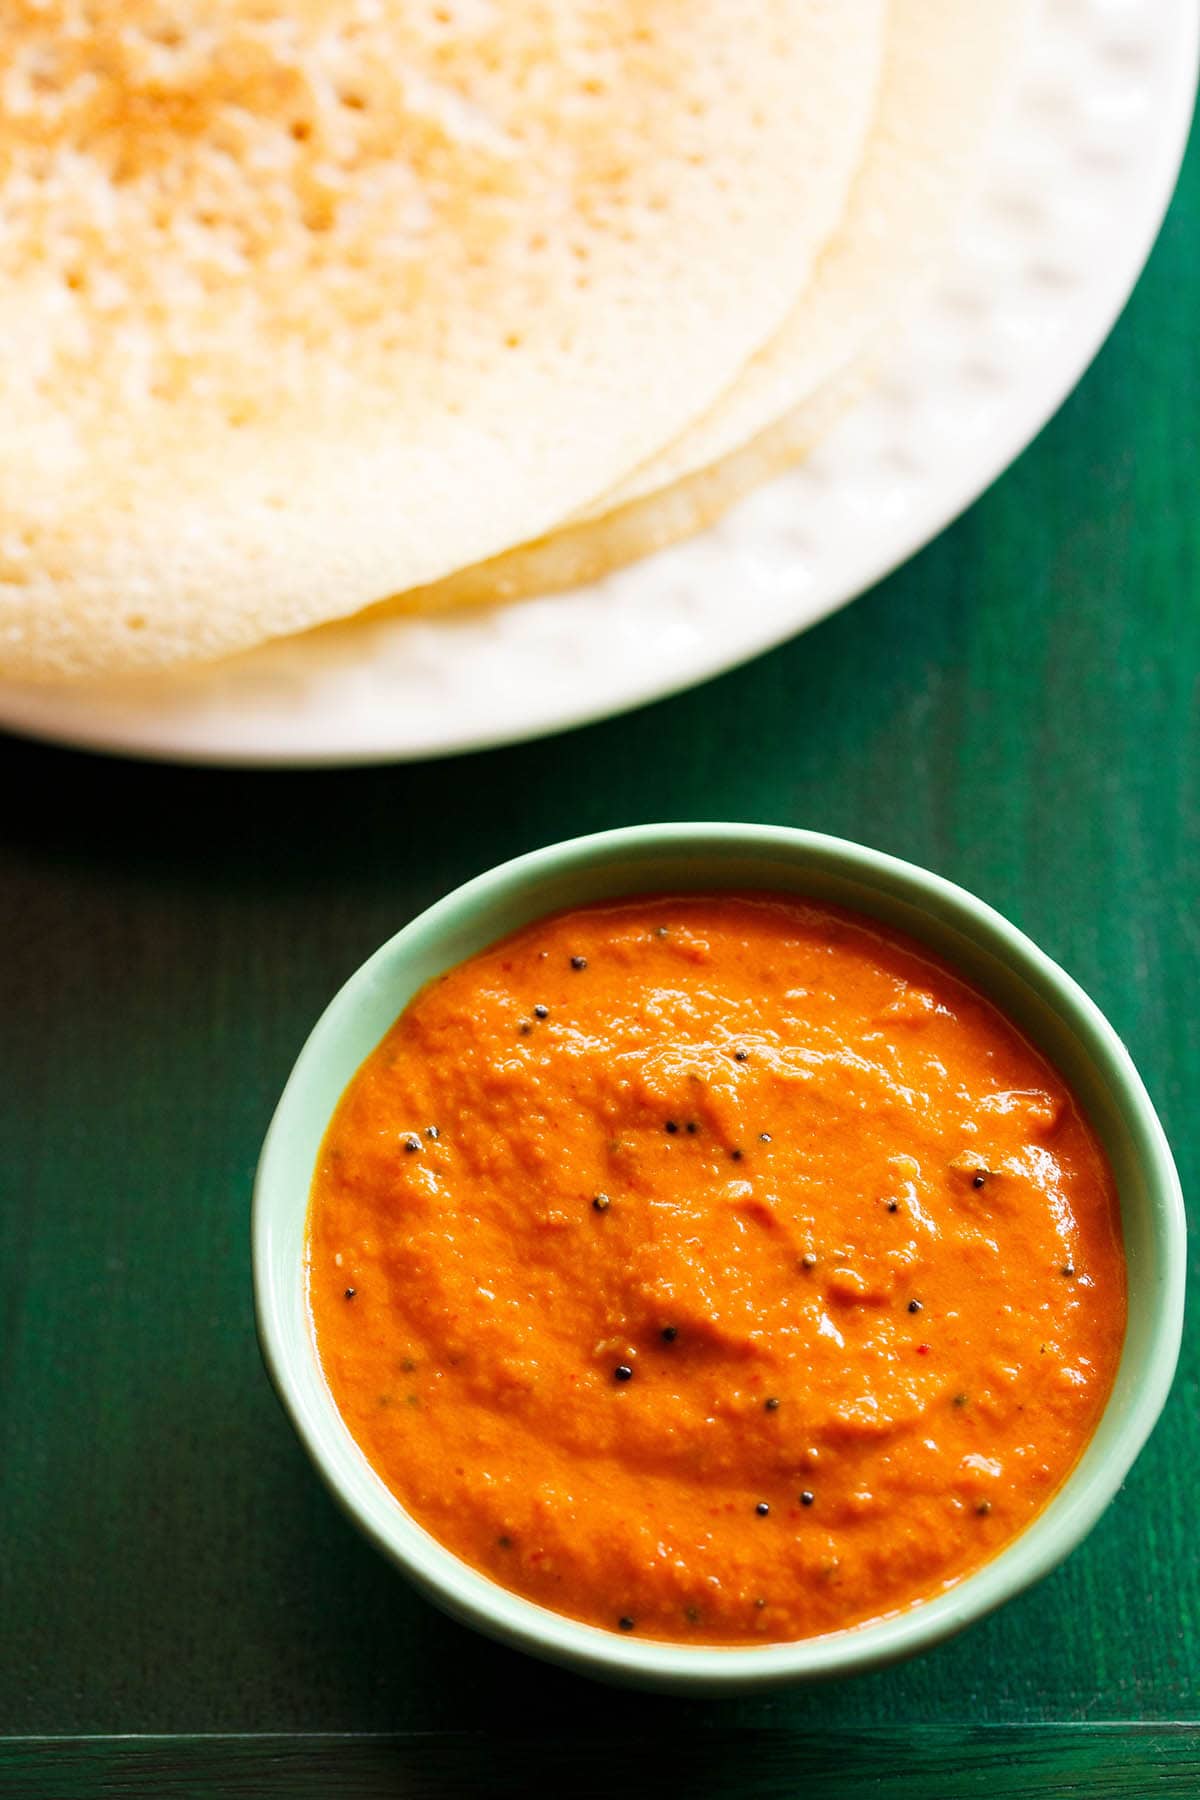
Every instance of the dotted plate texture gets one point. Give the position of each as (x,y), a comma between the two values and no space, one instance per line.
(1071,199)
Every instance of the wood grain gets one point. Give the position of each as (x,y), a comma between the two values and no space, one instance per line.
(1019,708)
(993,1763)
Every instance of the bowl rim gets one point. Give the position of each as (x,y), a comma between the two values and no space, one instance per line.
(475,1599)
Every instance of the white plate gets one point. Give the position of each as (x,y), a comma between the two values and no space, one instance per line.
(1072,198)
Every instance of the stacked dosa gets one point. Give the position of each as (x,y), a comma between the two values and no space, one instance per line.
(315,306)
(944,66)
(308,302)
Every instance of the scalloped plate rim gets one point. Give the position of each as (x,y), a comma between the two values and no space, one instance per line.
(53,714)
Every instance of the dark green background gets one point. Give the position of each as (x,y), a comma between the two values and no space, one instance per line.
(1017,708)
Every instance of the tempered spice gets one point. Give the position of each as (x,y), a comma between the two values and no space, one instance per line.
(585,1388)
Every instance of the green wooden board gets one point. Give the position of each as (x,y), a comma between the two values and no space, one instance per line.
(932,1763)
(1018,708)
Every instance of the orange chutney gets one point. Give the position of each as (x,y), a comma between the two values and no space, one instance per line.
(718,1268)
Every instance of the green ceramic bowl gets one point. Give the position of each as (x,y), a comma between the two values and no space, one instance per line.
(1032,990)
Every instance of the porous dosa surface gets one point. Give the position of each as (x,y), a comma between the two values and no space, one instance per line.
(946,66)
(302,304)
(945,70)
